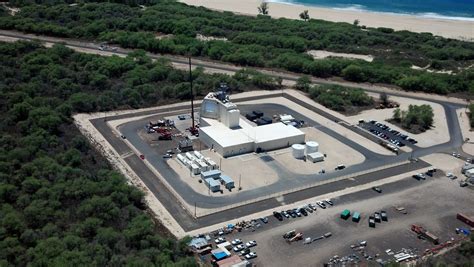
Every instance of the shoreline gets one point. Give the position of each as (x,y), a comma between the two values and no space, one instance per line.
(423,15)
(446,27)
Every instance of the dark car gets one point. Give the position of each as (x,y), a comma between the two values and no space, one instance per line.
(278,215)
(383,214)
(303,211)
(292,214)
(264,219)
(377,217)
(377,189)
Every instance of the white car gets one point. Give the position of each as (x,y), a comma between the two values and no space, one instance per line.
(239,247)
(220,240)
(236,242)
(450,175)
(250,244)
(251,255)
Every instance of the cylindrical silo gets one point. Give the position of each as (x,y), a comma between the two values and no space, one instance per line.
(298,151)
(311,147)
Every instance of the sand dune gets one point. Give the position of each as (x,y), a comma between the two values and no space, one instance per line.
(444,27)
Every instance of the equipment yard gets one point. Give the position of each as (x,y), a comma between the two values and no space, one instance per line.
(434,211)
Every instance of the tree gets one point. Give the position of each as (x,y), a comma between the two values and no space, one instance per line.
(303,83)
(304,15)
(356,22)
(263,8)
(384,98)
(397,115)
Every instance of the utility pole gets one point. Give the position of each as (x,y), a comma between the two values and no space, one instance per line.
(192,94)
(194,209)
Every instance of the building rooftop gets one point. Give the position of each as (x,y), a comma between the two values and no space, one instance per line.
(247,133)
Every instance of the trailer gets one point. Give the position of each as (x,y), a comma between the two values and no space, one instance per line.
(465,219)
(198,155)
(424,233)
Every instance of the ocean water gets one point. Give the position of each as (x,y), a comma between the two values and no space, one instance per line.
(447,9)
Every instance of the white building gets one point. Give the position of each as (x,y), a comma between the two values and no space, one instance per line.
(222,129)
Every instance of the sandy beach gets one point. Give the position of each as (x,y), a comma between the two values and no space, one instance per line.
(457,29)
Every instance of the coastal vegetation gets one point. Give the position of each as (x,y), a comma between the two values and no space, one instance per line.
(342,99)
(418,118)
(61,204)
(471,114)
(261,41)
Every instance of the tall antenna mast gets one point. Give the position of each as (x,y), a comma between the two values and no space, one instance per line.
(192,94)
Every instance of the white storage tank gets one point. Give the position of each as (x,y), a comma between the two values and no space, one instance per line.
(298,151)
(312,147)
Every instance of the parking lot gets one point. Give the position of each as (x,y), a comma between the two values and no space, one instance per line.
(385,133)
(333,239)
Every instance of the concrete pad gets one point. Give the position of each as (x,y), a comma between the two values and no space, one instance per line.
(446,163)
(376,148)
(337,153)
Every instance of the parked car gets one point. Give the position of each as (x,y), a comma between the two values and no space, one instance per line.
(278,215)
(219,240)
(236,242)
(250,244)
(321,204)
(285,214)
(340,167)
(312,206)
(463,184)
(251,255)
(142,156)
(244,252)
(264,219)
(377,189)
(329,202)
(303,211)
(298,213)
(292,214)
(123,136)
(377,217)
(371,221)
(239,248)
(167,156)
(383,215)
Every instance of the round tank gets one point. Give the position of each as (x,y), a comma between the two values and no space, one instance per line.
(311,147)
(298,151)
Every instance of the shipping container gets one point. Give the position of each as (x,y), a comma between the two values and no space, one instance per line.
(345,214)
(466,219)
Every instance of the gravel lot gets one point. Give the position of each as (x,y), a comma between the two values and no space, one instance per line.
(432,204)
